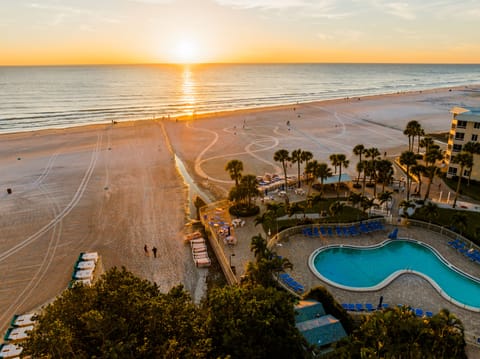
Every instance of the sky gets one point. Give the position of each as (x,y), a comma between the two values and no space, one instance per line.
(54,32)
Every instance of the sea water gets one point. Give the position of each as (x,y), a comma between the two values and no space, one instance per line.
(63,96)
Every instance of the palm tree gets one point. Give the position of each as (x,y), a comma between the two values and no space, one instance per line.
(297,158)
(367,203)
(385,197)
(323,172)
(460,221)
(430,210)
(473,148)
(412,129)
(296,208)
(358,150)
(250,186)
(408,159)
(336,208)
(432,155)
(371,167)
(465,160)
(259,247)
(283,157)
(384,172)
(311,169)
(235,168)
(339,160)
(419,170)
(427,143)
(306,157)
(355,198)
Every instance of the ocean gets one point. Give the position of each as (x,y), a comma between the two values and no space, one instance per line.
(42,97)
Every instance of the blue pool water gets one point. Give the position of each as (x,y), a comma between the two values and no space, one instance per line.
(370,267)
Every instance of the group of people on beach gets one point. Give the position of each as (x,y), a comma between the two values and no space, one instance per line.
(154,251)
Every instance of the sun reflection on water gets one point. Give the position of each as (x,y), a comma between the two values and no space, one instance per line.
(188,92)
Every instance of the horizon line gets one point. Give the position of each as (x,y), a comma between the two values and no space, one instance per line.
(241,63)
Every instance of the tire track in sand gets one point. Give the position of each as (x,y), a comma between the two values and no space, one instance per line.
(70,206)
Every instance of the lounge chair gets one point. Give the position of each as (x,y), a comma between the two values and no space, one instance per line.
(419,312)
(323,231)
(428,314)
(351,306)
(369,307)
(359,307)
(339,231)
(345,306)
(315,232)
(330,231)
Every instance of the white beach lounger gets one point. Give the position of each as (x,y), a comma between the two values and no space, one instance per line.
(24,320)
(197,241)
(203,262)
(10,351)
(200,255)
(86,265)
(89,256)
(20,333)
(84,274)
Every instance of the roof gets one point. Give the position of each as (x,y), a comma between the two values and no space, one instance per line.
(316,326)
(470,114)
(308,309)
(334,179)
(322,331)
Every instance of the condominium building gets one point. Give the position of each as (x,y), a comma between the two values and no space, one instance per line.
(465,128)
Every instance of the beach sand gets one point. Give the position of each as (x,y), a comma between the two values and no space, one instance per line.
(114,188)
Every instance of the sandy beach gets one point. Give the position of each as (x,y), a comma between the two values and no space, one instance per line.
(114,188)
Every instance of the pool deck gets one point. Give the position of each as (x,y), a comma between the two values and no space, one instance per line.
(407,289)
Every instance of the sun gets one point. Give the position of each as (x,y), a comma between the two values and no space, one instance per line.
(186,52)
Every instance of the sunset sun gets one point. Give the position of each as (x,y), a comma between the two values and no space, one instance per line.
(185,51)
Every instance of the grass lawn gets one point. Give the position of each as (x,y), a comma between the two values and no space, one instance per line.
(472,191)
(348,214)
(444,218)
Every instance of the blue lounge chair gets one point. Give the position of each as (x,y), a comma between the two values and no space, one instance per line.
(369,307)
(428,314)
(345,306)
(322,230)
(351,306)
(315,232)
(346,233)
(330,232)
(339,231)
(359,307)
(419,312)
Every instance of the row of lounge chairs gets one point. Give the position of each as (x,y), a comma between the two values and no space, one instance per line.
(368,307)
(462,247)
(200,252)
(84,268)
(291,283)
(360,307)
(19,330)
(344,231)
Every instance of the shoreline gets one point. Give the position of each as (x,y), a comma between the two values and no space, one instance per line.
(247,110)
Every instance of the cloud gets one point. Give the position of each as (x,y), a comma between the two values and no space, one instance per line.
(155,2)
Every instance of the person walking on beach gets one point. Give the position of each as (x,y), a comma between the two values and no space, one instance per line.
(145,248)
(154,250)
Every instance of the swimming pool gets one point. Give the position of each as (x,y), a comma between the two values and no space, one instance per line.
(372,268)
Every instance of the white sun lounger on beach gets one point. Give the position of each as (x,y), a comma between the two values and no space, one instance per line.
(10,351)
(200,255)
(19,333)
(200,250)
(199,246)
(24,320)
(84,274)
(86,265)
(203,262)
(197,241)
(89,256)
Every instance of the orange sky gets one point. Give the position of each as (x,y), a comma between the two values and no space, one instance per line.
(42,32)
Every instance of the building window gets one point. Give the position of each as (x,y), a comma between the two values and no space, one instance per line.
(476,125)
(452,171)
(457,148)
(461,124)
(466,173)
(459,136)
(475,138)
